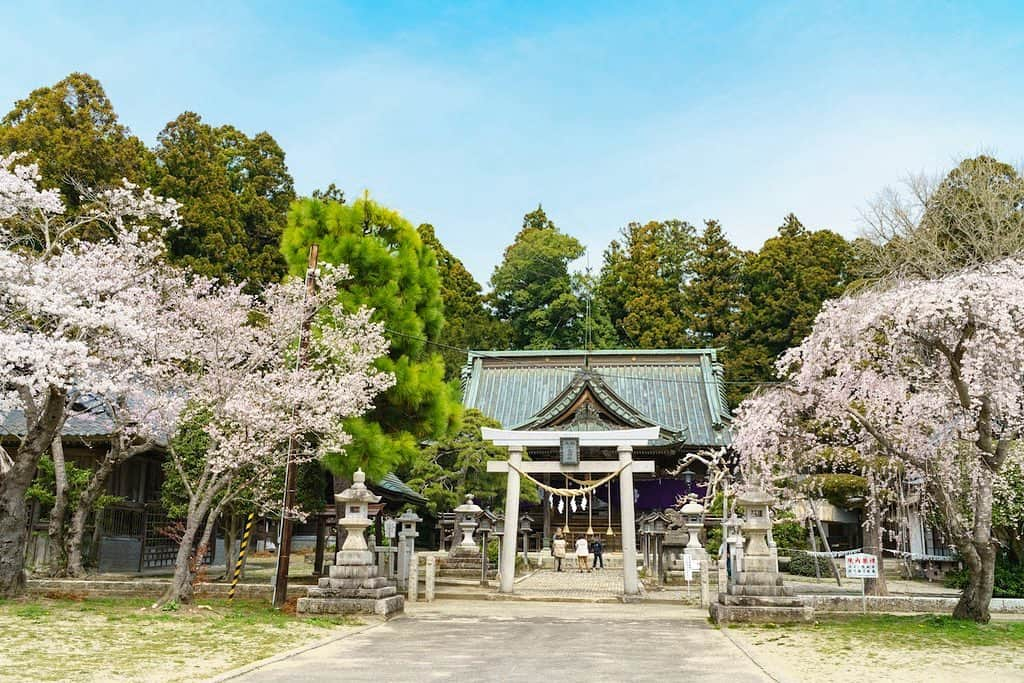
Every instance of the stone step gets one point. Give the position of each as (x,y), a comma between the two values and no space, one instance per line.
(724,614)
(759,601)
(469,573)
(762,591)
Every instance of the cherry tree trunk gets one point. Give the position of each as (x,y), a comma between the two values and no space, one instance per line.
(977,594)
(80,518)
(978,550)
(13,486)
(182,589)
(14,526)
(873,540)
(58,558)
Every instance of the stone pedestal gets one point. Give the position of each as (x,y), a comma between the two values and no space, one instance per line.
(354,583)
(755,593)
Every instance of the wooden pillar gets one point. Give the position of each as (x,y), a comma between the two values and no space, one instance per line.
(630,580)
(508,541)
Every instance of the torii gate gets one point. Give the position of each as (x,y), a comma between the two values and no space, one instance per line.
(622,439)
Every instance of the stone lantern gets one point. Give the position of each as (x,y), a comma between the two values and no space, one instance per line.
(406,544)
(757,523)
(692,512)
(487,522)
(465,516)
(356,500)
(354,584)
(755,591)
(658,528)
(526,528)
(646,526)
(390,526)
(499,533)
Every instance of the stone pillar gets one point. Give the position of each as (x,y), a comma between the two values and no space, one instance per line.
(403,567)
(630,580)
(705,583)
(414,578)
(508,541)
(431,578)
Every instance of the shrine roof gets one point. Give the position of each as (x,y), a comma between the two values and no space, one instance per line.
(399,491)
(679,390)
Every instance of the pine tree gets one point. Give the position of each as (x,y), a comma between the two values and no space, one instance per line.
(393,272)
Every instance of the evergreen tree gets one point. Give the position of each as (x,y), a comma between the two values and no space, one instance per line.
(533,290)
(643,280)
(714,292)
(785,284)
(235,192)
(72,131)
(468,324)
(393,272)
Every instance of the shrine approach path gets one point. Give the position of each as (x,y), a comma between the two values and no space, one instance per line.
(526,641)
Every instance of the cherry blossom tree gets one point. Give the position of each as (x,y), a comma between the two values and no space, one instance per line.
(253,403)
(75,320)
(925,375)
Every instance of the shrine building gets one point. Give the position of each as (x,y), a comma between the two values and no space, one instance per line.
(679,392)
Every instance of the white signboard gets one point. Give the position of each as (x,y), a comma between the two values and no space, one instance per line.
(861,566)
(690,565)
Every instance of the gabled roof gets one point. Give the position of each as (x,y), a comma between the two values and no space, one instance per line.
(679,390)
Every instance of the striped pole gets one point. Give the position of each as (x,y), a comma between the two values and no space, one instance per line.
(241,555)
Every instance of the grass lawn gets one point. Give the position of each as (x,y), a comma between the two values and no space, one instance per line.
(124,639)
(884,647)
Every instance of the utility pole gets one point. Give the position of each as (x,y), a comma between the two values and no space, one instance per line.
(284,534)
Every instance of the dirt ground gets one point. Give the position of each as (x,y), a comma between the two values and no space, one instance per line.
(114,640)
(832,652)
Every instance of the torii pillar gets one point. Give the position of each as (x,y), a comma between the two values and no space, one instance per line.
(623,440)
(630,580)
(508,541)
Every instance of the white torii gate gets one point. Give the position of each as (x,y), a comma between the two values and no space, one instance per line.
(622,439)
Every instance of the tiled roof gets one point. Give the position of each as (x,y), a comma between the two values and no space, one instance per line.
(393,484)
(680,390)
(91,420)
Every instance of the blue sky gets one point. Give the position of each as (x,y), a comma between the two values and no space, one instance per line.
(468,115)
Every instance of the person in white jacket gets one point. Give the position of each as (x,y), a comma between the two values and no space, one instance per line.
(558,551)
(582,554)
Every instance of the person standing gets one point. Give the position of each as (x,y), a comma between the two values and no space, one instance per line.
(558,551)
(597,548)
(582,554)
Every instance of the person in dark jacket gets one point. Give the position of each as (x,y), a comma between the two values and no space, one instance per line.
(597,548)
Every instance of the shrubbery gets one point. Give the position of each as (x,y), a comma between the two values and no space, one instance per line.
(1009,578)
(802,564)
(789,536)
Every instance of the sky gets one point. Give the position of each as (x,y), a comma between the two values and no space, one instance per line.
(467,115)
